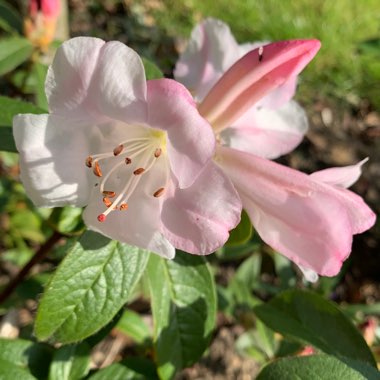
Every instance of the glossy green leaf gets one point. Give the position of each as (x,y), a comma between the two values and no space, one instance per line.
(133,325)
(67,219)
(184,310)
(151,70)
(95,279)
(7,142)
(318,367)
(10,107)
(10,21)
(242,232)
(70,362)
(10,371)
(13,52)
(308,317)
(39,72)
(26,355)
(117,371)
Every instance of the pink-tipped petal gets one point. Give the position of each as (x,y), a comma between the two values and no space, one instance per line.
(198,219)
(254,76)
(268,133)
(211,50)
(308,221)
(191,142)
(282,94)
(344,177)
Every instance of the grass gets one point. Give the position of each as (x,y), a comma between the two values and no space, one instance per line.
(341,68)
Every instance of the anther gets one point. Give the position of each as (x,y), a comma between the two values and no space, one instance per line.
(89,161)
(101,218)
(128,160)
(261,52)
(139,171)
(118,150)
(159,192)
(107,202)
(124,206)
(109,194)
(97,170)
(157,152)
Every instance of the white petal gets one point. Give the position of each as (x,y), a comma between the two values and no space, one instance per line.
(344,177)
(268,133)
(91,78)
(119,86)
(52,153)
(69,77)
(212,49)
(140,224)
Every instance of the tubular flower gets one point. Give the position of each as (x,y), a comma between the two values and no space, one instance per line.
(308,218)
(135,152)
(40,23)
(273,124)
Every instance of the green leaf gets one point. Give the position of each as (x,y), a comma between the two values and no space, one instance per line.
(10,107)
(39,72)
(133,325)
(26,354)
(95,279)
(70,362)
(7,142)
(10,371)
(318,367)
(67,219)
(242,232)
(151,70)
(309,318)
(117,371)
(13,52)
(184,310)
(10,21)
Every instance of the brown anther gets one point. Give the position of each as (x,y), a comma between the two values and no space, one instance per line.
(124,206)
(118,150)
(89,161)
(97,170)
(107,202)
(139,171)
(109,194)
(159,192)
(157,152)
(128,160)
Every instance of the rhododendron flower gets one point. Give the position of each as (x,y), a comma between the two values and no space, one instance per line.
(274,124)
(308,218)
(136,152)
(40,23)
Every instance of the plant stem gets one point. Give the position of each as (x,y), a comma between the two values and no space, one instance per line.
(38,256)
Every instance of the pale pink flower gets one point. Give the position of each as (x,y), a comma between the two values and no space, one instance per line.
(135,152)
(270,127)
(308,218)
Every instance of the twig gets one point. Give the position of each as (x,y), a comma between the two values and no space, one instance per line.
(38,256)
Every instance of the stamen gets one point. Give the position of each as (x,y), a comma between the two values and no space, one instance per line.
(139,171)
(89,161)
(159,192)
(108,193)
(128,160)
(157,152)
(101,218)
(124,206)
(97,170)
(107,202)
(118,150)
